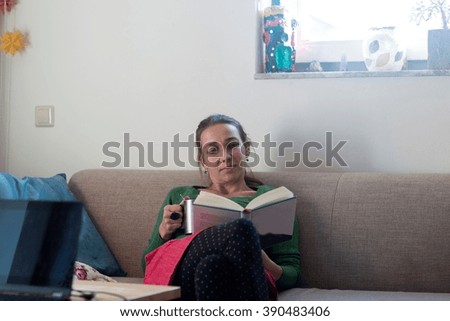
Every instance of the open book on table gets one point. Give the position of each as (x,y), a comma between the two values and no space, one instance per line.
(272,214)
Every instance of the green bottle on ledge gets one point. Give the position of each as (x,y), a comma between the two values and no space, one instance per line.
(279,39)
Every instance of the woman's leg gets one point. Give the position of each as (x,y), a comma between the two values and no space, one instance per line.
(223,263)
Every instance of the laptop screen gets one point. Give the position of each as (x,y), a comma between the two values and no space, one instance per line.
(38,242)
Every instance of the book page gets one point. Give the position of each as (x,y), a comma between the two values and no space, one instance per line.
(206,216)
(214,200)
(278,194)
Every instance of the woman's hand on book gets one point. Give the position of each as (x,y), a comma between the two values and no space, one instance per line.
(171,221)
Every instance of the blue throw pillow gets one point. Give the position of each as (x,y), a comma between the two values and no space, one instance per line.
(92,249)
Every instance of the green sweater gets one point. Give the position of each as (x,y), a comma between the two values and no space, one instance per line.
(285,254)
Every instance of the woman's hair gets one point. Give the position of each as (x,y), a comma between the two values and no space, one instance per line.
(215,119)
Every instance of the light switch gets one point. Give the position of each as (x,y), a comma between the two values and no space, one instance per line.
(44,116)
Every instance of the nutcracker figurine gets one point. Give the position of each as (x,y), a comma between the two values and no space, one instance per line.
(279,39)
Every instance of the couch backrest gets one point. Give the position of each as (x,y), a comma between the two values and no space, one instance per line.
(363,231)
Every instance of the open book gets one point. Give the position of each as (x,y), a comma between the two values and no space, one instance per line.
(272,213)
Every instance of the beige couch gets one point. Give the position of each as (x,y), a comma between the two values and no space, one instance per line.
(363,236)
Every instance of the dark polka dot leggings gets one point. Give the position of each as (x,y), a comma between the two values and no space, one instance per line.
(223,263)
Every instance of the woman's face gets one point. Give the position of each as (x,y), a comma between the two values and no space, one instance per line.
(223,153)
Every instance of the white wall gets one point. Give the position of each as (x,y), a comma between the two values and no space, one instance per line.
(155,68)
(3,116)
(3,120)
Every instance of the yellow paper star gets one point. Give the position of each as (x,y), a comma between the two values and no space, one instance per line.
(12,42)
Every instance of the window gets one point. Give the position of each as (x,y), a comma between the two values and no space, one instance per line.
(331,32)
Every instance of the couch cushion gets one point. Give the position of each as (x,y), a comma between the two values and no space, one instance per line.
(91,247)
(314,294)
(124,204)
(34,188)
(390,232)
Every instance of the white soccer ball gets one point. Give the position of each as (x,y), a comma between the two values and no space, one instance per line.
(382,50)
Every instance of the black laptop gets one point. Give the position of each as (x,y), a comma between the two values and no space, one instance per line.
(38,247)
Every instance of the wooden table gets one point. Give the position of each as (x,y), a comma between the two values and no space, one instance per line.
(117,291)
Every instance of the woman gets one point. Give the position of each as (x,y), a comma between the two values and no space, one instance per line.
(224,262)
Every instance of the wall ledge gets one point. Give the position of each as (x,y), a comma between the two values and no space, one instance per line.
(352,74)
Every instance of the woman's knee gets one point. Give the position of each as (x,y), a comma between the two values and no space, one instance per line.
(244,225)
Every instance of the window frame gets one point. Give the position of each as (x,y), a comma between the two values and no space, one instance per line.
(332,64)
